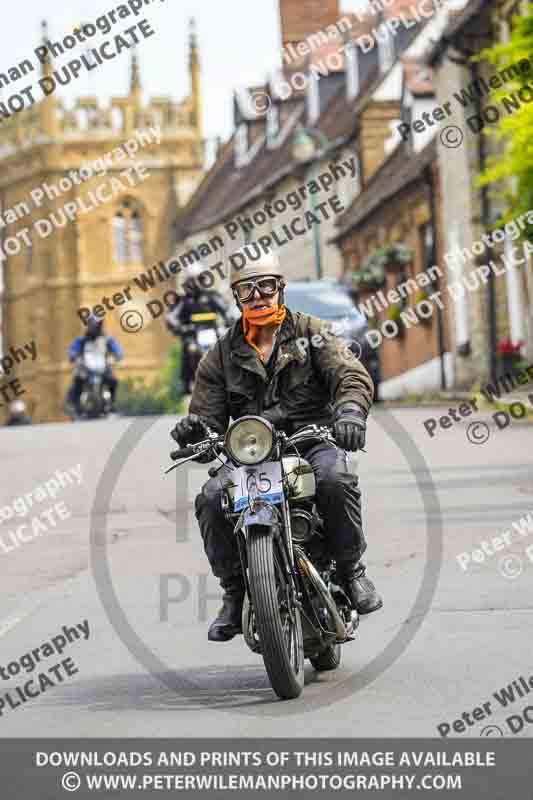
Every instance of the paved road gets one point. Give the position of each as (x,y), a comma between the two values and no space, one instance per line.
(139,675)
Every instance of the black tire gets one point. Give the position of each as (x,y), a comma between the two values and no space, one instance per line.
(285,669)
(329,658)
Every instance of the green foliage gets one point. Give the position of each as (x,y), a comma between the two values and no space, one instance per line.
(172,379)
(162,396)
(395,313)
(516,129)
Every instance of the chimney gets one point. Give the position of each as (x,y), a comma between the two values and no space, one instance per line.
(300,18)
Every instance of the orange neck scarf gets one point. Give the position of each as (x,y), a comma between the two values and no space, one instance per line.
(252,320)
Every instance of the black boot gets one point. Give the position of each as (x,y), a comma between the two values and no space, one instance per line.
(228,622)
(360,589)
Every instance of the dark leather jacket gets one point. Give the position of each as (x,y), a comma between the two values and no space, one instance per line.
(301,384)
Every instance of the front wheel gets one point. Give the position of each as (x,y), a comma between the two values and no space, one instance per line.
(277,620)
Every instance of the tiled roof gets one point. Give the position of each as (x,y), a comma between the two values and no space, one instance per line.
(400,169)
(457,20)
(226,190)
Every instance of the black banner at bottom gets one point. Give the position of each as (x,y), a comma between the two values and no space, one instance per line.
(53,769)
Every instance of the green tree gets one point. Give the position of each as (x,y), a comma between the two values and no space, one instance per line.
(516,129)
(162,396)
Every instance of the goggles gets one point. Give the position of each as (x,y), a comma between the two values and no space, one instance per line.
(266,287)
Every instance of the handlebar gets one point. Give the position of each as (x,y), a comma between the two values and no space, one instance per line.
(183,452)
(194,449)
(312,431)
(309,432)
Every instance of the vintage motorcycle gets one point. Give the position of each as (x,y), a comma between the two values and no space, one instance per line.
(293,608)
(95,400)
(199,336)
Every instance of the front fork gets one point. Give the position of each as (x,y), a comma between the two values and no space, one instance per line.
(267,515)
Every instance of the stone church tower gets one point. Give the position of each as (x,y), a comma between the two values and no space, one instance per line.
(48,275)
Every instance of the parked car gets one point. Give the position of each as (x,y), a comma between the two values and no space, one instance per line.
(331,302)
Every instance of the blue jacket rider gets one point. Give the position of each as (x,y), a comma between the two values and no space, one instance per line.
(96,339)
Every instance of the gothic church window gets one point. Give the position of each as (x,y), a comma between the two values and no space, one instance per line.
(128,234)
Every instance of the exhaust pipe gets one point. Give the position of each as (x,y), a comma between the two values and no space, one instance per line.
(307,567)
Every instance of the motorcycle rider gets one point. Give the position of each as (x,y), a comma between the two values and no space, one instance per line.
(196,300)
(259,367)
(108,345)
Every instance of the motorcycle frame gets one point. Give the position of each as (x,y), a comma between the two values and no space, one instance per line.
(290,553)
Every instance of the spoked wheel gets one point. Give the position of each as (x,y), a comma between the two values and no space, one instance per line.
(277,620)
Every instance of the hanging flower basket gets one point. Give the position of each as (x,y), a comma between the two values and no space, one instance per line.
(394,314)
(420,297)
(371,276)
(392,256)
(508,348)
(509,355)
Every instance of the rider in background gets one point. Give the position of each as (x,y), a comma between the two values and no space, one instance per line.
(107,345)
(196,300)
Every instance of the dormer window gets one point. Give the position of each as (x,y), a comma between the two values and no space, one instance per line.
(272,123)
(406,116)
(313,100)
(352,71)
(386,51)
(241,144)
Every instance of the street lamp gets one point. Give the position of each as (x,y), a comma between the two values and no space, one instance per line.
(307,146)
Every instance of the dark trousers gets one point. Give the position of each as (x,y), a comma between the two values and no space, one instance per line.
(188,368)
(338,500)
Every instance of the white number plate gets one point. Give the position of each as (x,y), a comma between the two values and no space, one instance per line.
(266,477)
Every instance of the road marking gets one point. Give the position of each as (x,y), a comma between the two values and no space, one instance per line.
(9,624)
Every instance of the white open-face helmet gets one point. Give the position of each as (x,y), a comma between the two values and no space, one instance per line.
(242,268)
(244,272)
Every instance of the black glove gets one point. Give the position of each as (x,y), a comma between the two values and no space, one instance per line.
(350,426)
(189,430)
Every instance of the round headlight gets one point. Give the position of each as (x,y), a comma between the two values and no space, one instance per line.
(250,440)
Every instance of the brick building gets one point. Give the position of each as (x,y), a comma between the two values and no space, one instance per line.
(328,77)
(399,206)
(501,307)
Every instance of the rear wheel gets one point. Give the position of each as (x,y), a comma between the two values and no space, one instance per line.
(327,659)
(277,620)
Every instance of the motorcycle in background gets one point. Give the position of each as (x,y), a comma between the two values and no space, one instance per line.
(293,607)
(95,400)
(198,337)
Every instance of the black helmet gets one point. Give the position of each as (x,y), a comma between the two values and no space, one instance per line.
(94,327)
